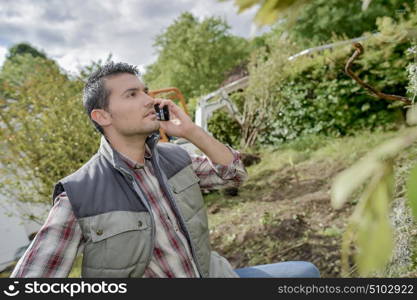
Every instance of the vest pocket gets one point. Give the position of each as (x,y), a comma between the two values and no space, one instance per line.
(118,240)
(190,201)
(183,180)
(187,192)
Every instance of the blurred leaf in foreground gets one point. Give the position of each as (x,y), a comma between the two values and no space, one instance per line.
(412,191)
(270,10)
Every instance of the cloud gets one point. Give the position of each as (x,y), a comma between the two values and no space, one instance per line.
(77,32)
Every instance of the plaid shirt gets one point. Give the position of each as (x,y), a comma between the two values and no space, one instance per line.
(55,247)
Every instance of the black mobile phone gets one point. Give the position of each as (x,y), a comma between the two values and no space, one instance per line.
(162,114)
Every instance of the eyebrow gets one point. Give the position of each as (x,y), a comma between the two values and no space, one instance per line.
(130,90)
(145,89)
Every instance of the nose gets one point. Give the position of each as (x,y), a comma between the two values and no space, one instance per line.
(149,101)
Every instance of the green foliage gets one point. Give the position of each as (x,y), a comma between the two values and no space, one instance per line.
(311,95)
(24,48)
(374,164)
(269,218)
(76,267)
(320,20)
(195,55)
(369,226)
(224,128)
(412,88)
(412,191)
(86,71)
(412,73)
(270,10)
(261,103)
(45,134)
(373,227)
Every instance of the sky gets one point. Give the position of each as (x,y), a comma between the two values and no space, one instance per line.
(76,32)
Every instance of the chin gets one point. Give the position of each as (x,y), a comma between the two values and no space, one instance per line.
(153,128)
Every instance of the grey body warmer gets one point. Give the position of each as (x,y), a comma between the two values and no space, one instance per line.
(115,219)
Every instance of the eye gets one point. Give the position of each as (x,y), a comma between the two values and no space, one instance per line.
(146,90)
(132,94)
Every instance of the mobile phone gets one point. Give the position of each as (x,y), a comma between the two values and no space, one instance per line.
(162,114)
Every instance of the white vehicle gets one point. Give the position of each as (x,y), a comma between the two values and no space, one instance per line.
(206,107)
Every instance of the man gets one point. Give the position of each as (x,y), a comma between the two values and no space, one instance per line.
(135,209)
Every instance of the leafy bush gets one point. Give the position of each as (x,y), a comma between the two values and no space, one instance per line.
(45,133)
(312,95)
(224,127)
(267,71)
(319,20)
(378,247)
(412,73)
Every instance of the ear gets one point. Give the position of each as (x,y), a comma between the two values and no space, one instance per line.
(101,117)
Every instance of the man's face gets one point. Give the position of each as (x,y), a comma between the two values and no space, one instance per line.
(132,110)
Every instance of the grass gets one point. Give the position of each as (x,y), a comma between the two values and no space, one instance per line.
(76,267)
(315,148)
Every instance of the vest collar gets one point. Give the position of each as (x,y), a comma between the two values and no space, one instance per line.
(115,159)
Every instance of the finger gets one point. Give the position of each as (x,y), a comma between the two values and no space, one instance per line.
(164,102)
(157,100)
(174,108)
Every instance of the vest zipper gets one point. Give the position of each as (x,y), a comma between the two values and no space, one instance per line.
(145,200)
(155,157)
(135,185)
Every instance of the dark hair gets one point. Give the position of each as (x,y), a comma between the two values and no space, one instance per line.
(95,93)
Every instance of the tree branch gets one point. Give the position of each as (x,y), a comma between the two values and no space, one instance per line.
(359,50)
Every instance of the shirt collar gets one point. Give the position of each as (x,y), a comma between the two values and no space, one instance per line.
(134,164)
(114,157)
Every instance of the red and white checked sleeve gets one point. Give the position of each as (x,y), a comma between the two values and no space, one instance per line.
(54,249)
(214,175)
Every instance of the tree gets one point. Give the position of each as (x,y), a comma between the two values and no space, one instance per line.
(86,71)
(318,21)
(269,11)
(314,22)
(24,48)
(44,131)
(194,55)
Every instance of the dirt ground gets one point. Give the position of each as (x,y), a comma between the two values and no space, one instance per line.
(287,217)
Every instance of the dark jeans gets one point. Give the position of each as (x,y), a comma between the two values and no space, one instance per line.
(280,270)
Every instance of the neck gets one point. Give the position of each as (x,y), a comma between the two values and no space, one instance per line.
(132,147)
